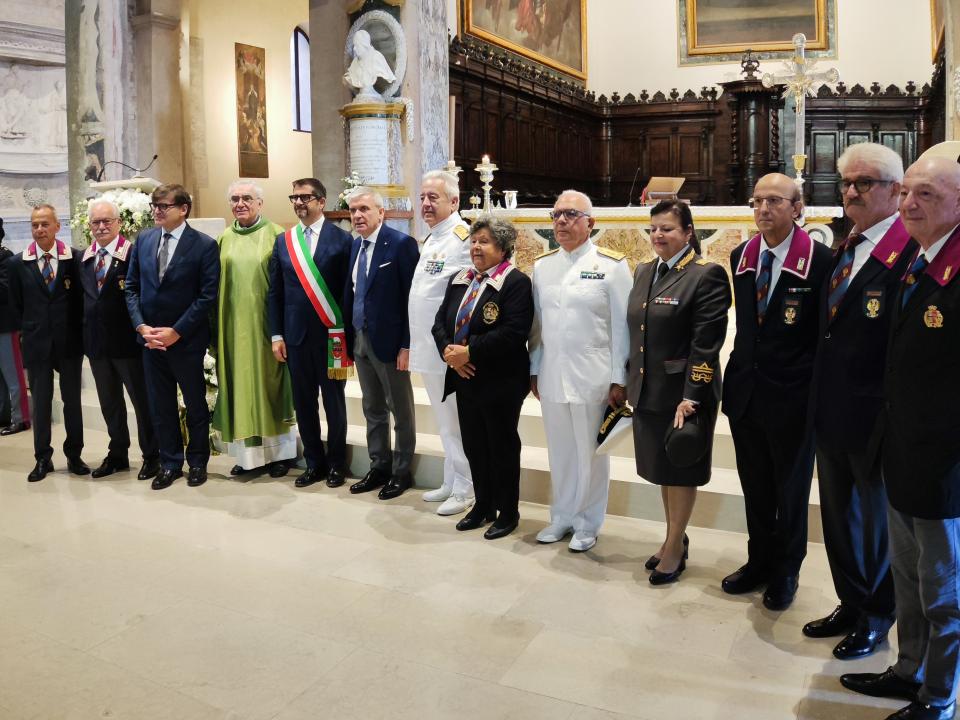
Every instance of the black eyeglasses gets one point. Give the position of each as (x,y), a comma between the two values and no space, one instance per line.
(862,185)
(305,198)
(569,213)
(163,207)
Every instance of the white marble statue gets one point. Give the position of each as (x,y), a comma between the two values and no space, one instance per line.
(368,65)
(54,108)
(14,106)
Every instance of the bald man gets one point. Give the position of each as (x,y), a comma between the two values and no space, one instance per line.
(778,276)
(921,452)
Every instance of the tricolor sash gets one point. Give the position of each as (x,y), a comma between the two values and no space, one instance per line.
(339,366)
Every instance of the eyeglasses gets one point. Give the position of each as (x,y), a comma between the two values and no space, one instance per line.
(105,223)
(162,207)
(237,199)
(862,185)
(772,201)
(569,213)
(305,198)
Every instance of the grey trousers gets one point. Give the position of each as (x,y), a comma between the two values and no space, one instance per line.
(11,367)
(386,391)
(924,556)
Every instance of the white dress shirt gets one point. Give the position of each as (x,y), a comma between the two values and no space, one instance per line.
(872,235)
(779,255)
(372,243)
(314,234)
(111,248)
(172,242)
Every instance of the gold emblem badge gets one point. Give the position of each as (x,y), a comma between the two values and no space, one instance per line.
(122,284)
(491,312)
(893,256)
(790,316)
(873,308)
(701,373)
(933,318)
(66,283)
(946,272)
(800,263)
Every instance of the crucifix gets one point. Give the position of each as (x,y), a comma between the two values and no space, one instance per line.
(799,76)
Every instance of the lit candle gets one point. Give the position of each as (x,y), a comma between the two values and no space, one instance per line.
(486,159)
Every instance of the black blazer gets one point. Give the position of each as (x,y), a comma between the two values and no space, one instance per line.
(921,425)
(185,297)
(499,327)
(107,331)
(677,328)
(847,392)
(777,358)
(8,318)
(290,312)
(392,263)
(51,322)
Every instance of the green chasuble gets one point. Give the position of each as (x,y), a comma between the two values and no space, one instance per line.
(254,399)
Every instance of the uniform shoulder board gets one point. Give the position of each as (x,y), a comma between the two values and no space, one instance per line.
(548,252)
(461,231)
(613,254)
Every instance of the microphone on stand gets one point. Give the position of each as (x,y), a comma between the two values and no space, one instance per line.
(122,164)
(632,186)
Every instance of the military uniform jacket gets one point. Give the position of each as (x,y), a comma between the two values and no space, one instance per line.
(51,322)
(776,358)
(677,328)
(921,426)
(107,330)
(444,253)
(579,341)
(847,391)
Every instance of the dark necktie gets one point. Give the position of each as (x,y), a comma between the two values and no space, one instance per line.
(462,329)
(164,257)
(763,284)
(360,288)
(101,268)
(840,280)
(662,269)
(47,271)
(913,278)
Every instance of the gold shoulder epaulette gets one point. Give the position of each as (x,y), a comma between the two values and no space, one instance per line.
(612,254)
(701,261)
(461,231)
(548,252)
(684,262)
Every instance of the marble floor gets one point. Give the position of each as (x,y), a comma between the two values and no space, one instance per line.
(255,601)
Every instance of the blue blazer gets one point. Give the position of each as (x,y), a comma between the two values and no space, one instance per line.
(392,263)
(187,294)
(289,311)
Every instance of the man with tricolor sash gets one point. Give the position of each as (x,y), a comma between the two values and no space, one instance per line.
(308,273)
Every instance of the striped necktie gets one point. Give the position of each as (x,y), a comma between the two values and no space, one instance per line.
(47,271)
(763,284)
(163,259)
(101,268)
(840,280)
(462,328)
(913,278)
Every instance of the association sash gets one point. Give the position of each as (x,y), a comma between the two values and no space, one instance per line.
(339,366)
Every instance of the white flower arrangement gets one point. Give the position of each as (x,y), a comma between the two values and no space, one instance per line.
(134,207)
(212,387)
(350,182)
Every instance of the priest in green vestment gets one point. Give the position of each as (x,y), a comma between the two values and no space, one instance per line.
(253,419)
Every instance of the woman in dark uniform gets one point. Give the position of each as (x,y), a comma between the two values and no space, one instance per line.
(677,317)
(481,331)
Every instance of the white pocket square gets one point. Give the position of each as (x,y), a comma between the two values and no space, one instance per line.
(386,263)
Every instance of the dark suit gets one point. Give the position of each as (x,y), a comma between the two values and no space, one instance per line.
(845,403)
(116,360)
(489,403)
(14,408)
(183,300)
(677,327)
(391,263)
(52,339)
(292,315)
(765,394)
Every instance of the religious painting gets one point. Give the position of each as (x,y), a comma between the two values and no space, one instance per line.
(551,32)
(251,111)
(722,30)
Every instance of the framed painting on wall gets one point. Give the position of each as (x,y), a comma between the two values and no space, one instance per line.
(937,25)
(722,30)
(251,111)
(550,32)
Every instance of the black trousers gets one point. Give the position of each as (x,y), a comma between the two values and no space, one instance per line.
(492,446)
(775,462)
(853,505)
(164,371)
(308,377)
(40,377)
(111,376)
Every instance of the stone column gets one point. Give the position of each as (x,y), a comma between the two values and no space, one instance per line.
(329,25)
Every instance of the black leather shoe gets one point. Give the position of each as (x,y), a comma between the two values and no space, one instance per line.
(919,711)
(148,470)
(197,476)
(278,469)
(40,471)
(473,520)
(109,466)
(842,620)
(77,466)
(747,579)
(15,428)
(336,478)
(165,478)
(237,470)
(309,477)
(501,529)
(662,578)
(885,684)
(780,592)
(858,644)
(371,481)
(397,485)
(653,560)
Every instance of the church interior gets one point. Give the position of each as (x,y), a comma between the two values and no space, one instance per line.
(250,599)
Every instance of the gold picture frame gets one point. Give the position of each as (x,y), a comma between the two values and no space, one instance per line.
(938,26)
(542,30)
(766,26)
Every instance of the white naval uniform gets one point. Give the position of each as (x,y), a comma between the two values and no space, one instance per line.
(444,253)
(579,345)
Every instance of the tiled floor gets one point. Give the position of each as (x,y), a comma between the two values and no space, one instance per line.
(252,601)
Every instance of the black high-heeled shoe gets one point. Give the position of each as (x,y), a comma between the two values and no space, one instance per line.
(653,560)
(661,578)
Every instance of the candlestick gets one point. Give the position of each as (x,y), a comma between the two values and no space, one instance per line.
(486,170)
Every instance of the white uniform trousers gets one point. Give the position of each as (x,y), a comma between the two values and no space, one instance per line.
(579,477)
(456,469)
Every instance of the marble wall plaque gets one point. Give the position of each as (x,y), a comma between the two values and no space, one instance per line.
(369,151)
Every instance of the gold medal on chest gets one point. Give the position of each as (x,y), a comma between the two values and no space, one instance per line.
(122,284)
(790,316)
(491,312)
(873,308)
(933,318)
(66,283)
